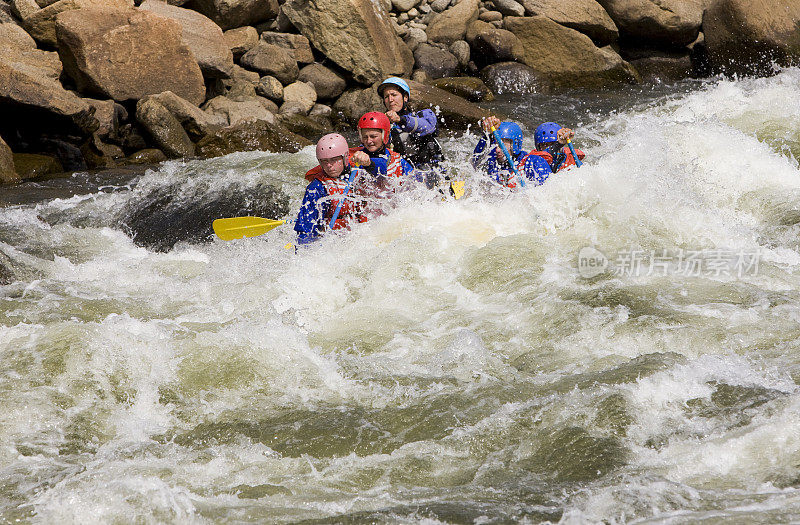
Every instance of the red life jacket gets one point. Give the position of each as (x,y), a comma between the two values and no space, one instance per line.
(511,182)
(570,160)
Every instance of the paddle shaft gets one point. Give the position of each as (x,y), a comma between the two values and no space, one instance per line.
(508,156)
(344,195)
(578,162)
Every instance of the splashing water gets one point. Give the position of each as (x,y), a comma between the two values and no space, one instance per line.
(448,362)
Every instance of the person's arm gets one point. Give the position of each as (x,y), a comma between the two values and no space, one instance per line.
(480,153)
(310,218)
(421,123)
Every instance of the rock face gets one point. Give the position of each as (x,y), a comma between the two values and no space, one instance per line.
(237,13)
(746,37)
(451,25)
(566,57)
(669,22)
(201,35)
(7,172)
(436,62)
(493,45)
(356,34)
(127,54)
(586,16)
(470,88)
(297,44)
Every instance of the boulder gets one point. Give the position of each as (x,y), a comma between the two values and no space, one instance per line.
(238,112)
(229,14)
(98,154)
(355,102)
(476,27)
(469,88)
(490,16)
(164,128)
(248,136)
(305,126)
(242,83)
(109,114)
(586,16)
(439,5)
(300,93)
(146,156)
(461,51)
(660,66)
(241,40)
(567,57)
(509,7)
(201,35)
(269,59)
(747,37)
(12,35)
(402,6)
(8,173)
(327,83)
(22,9)
(414,37)
(514,78)
(271,88)
(127,54)
(355,34)
(31,94)
(195,121)
(298,45)
(496,45)
(451,24)
(672,23)
(42,24)
(33,166)
(436,62)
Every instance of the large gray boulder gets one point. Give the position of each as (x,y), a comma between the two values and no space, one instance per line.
(674,23)
(451,24)
(356,34)
(7,172)
(41,24)
(746,37)
(586,16)
(30,87)
(127,54)
(164,128)
(566,57)
(301,94)
(494,45)
(229,14)
(201,35)
(327,83)
(269,59)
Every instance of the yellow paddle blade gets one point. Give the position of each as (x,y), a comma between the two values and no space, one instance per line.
(238,227)
(457,188)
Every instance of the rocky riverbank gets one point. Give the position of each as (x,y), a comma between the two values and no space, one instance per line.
(102,83)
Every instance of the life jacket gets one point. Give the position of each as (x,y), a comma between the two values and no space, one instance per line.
(352,206)
(511,180)
(569,160)
(316,172)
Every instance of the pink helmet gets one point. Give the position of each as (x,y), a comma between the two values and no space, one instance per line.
(332,145)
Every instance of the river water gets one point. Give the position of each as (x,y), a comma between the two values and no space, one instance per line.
(619,345)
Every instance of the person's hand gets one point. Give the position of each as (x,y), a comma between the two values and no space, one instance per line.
(360,158)
(394,118)
(490,122)
(564,135)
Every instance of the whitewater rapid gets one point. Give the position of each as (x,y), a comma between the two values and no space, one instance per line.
(450,361)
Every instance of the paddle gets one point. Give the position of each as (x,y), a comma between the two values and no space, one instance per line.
(508,156)
(578,162)
(341,201)
(238,227)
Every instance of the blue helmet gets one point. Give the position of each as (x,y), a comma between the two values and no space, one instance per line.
(511,131)
(547,132)
(395,82)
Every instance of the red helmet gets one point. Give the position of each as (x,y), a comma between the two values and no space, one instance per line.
(332,145)
(376,120)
